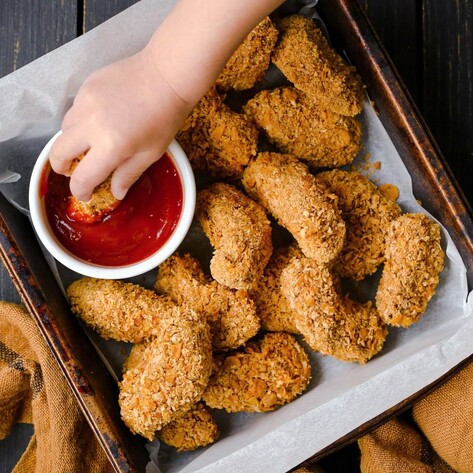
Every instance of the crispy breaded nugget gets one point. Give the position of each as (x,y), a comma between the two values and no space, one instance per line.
(100,204)
(168,374)
(367,214)
(271,305)
(331,324)
(231,314)
(250,61)
(193,429)
(269,373)
(414,259)
(123,311)
(298,125)
(240,232)
(300,203)
(306,59)
(217,140)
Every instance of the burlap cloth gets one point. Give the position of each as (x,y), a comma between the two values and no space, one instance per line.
(435,437)
(439,439)
(33,390)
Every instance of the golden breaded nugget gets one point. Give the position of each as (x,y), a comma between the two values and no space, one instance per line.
(300,203)
(217,140)
(249,62)
(331,324)
(269,373)
(414,259)
(271,305)
(168,374)
(231,314)
(193,429)
(123,311)
(307,60)
(240,232)
(298,125)
(100,204)
(367,214)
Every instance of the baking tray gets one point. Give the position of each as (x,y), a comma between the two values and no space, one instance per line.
(433,183)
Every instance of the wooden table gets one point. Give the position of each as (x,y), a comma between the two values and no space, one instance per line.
(429,41)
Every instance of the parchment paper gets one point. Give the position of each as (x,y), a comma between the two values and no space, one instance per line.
(342,396)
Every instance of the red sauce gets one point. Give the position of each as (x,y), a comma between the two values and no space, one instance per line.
(137,228)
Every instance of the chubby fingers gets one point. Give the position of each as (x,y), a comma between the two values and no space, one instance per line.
(68,145)
(128,172)
(94,168)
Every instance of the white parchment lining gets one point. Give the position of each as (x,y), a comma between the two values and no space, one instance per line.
(342,396)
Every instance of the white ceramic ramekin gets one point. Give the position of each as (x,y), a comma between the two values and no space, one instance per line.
(68,259)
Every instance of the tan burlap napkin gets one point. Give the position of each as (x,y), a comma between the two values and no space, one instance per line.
(33,390)
(440,441)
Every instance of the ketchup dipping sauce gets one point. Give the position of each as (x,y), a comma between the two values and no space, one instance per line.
(137,228)
(136,236)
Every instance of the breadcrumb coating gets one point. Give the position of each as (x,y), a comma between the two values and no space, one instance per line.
(122,311)
(191,430)
(240,233)
(298,125)
(249,62)
(168,374)
(269,373)
(304,56)
(367,214)
(285,187)
(414,260)
(272,306)
(231,314)
(100,204)
(331,324)
(217,140)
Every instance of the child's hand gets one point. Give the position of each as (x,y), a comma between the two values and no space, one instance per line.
(125,115)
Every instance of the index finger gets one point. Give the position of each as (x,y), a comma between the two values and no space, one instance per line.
(70,144)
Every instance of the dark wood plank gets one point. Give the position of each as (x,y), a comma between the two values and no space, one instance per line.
(12,448)
(32,28)
(28,29)
(97,11)
(448,84)
(398,24)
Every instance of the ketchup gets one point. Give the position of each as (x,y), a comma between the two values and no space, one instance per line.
(136,229)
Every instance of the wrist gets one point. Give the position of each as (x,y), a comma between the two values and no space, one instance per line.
(193,44)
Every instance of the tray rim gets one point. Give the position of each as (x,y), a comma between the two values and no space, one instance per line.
(29,288)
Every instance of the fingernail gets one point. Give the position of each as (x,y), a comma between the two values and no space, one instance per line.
(119,193)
